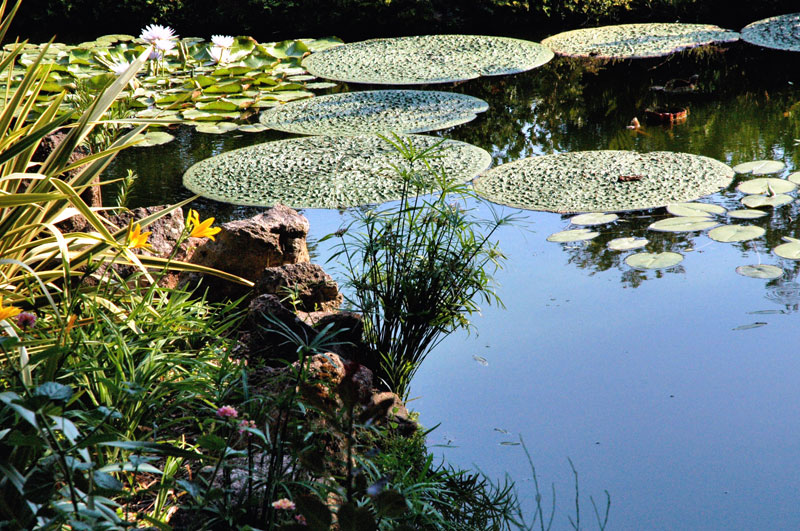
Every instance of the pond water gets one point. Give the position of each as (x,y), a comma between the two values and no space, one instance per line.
(651,382)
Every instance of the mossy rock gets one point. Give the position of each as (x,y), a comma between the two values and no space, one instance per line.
(780,33)
(637,41)
(603,181)
(326,171)
(426,59)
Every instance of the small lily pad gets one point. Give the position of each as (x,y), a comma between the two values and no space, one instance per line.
(760,167)
(694,209)
(794,177)
(766,186)
(573,235)
(755,201)
(626,244)
(252,128)
(736,233)
(654,260)
(217,128)
(153,138)
(593,218)
(683,224)
(760,271)
(789,250)
(746,213)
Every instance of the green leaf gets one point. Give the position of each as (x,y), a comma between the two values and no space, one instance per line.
(654,260)
(211,442)
(736,233)
(755,201)
(252,128)
(40,484)
(593,218)
(683,224)
(573,235)
(216,128)
(766,186)
(626,244)
(107,482)
(694,209)
(760,271)
(54,391)
(153,138)
(760,167)
(790,251)
(746,213)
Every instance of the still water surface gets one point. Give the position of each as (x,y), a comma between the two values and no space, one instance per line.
(644,379)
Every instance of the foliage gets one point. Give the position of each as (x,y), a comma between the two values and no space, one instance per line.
(418,269)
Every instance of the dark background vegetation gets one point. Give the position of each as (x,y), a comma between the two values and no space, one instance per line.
(72,21)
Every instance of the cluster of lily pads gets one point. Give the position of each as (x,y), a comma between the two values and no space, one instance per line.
(695,217)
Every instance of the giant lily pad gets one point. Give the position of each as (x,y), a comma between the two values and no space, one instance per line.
(654,260)
(603,181)
(426,59)
(780,33)
(637,41)
(377,111)
(760,271)
(736,233)
(324,171)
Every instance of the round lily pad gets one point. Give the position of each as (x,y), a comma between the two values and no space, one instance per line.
(252,128)
(736,233)
(603,181)
(789,250)
(766,185)
(760,167)
(216,128)
(761,200)
(375,111)
(573,235)
(746,213)
(626,244)
(153,138)
(593,218)
(637,41)
(326,172)
(654,260)
(760,271)
(426,59)
(683,224)
(780,33)
(694,209)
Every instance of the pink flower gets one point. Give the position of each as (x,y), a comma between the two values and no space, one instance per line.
(227,412)
(300,519)
(244,424)
(26,320)
(284,504)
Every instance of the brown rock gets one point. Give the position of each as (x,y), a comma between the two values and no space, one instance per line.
(387,407)
(267,340)
(304,286)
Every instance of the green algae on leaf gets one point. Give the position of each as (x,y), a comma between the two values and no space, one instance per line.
(601,181)
(764,271)
(780,33)
(760,167)
(375,111)
(626,244)
(593,218)
(572,235)
(694,209)
(637,41)
(326,172)
(426,59)
(736,233)
(654,260)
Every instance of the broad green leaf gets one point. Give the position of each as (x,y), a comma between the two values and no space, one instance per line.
(790,251)
(153,138)
(218,105)
(54,391)
(766,186)
(760,271)
(694,209)
(794,177)
(736,233)
(683,224)
(760,167)
(746,213)
(593,218)
(654,260)
(626,244)
(755,201)
(252,128)
(573,235)
(216,128)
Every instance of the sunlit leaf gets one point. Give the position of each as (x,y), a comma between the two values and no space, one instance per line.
(760,167)
(746,213)
(736,233)
(572,235)
(654,260)
(626,244)
(760,271)
(593,218)
(755,201)
(766,186)
(683,224)
(694,209)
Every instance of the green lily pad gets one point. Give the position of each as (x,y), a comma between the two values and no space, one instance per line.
(573,235)
(789,250)
(637,41)
(654,260)
(694,209)
(377,111)
(626,244)
(746,213)
(326,172)
(736,233)
(426,59)
(760,271)
(794,177)
(683,224)
(153,138)
(779,32)
(760,167)
(593,218)
(767,186)
(603,181)
(218,128)
(755,201)
(253,128)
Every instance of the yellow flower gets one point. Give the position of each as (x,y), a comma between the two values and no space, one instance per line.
(7,311)
(200,229)
(138,239)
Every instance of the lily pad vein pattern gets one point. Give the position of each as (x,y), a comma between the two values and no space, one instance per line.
(780,33)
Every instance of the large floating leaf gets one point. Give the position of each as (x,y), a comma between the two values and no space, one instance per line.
(325,172)
(626,244)
(694,209)
(573,235)
(789,250)
(736,233)
(426,59)
(378,111)
(794,177)
(603,181)
(636,41)
(593,218)
(755,201)
(153,138)
(683,224)
(746,213)
(760,167)
(654,260)
(760,271)
(767,186)
(776,32)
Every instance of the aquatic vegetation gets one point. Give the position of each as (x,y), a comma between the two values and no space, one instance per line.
(572,235)
(766,186)
(789,250)
(764,271)
(654,260)
(627,243)
(593,218)
(760,167)
(778,32)
(736,233)
(378,111)
(328,172)
(694,209)
(637,41)
(746,213)
(683,224)
(603,181)
(426,59)
(764,200)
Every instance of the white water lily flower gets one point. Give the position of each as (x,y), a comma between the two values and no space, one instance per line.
(155,55)
(155,32)
(119,68)
(223,41)
(164,45)
(218,54)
